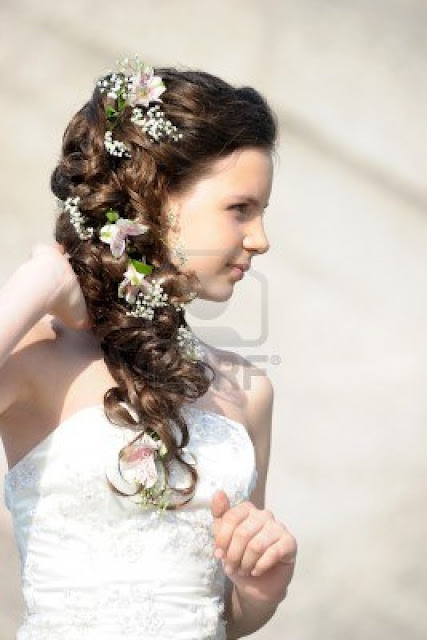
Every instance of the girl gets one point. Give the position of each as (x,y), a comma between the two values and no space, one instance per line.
(142,513)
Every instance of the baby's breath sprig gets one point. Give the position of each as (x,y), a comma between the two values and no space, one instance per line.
(71,206)
(155,124)
(189,344)
(137,86)
(145,303)
(115,147)
(117,85)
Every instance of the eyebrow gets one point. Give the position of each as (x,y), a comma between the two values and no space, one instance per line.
(249,199)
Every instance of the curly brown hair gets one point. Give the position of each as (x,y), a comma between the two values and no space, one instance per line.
(142,355)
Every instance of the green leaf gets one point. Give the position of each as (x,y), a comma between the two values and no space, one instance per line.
(110,112)
(142,267)
(112,215)
(121,103)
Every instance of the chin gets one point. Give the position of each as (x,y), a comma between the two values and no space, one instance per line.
(220,295)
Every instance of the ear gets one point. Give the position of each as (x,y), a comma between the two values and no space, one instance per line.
(60,247)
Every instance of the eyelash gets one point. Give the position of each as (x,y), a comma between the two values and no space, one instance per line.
(241,207)
(244,209)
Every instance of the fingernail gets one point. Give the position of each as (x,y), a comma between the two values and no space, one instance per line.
(219,553)
(228,569)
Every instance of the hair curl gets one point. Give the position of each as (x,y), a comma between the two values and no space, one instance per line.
(216,119)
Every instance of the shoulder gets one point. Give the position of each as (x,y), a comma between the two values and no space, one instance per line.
(255,385)
(17,373)
(260,398)
(35,342)
(258,395)
(259,414)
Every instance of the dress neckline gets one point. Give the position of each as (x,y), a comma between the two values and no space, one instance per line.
(97,407)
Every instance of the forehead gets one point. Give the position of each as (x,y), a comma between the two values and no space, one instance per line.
(246,171)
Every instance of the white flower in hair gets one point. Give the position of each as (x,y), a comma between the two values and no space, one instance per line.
(133,280)
(139,473)
(71,206)
(145,87)
(189,344)
(118,230)
(138,461)
(115,147)
(155,124)
(154,297)
(137,86)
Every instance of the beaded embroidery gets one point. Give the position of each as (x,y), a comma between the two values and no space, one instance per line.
(111,566)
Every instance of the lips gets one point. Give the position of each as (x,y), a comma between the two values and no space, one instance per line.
(242,267)
(237,271)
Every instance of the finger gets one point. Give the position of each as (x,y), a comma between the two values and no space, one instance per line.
(268,536)
(283,551)
(242,535)
(219,504)
(230,520)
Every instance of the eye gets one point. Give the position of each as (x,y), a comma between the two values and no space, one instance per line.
(241,207)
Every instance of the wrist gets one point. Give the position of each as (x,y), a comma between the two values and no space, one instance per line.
(246,613)
(253,601)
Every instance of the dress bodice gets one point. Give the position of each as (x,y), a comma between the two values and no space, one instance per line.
(97,566)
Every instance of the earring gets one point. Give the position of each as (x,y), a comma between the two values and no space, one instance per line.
(178,252)
(171,219)
(177,249)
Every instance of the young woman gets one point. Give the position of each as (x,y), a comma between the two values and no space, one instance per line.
(137,458)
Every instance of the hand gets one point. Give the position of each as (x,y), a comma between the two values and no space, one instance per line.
(66,301)
(251,540)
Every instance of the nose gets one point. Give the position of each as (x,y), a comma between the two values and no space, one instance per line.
(256,238)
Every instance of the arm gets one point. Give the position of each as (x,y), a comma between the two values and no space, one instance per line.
(250,601)
(43,284)
(243,615)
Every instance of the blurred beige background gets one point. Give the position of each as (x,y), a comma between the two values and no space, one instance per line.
(342,329)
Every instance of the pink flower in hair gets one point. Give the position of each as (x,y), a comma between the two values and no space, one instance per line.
(139,459)
(145,87)
(115,234)
(132,283)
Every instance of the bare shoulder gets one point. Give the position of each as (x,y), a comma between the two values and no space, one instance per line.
(260,399)
(17,373)
(257,393)
(33,347)
(255,386)
(259,396)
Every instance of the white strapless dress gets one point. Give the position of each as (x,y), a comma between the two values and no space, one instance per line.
(95,565)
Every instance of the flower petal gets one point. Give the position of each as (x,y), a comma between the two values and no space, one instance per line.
(155,89)
(137,452)
(114,476)
(131,228)
(107,233)
(150,472)
(118,244)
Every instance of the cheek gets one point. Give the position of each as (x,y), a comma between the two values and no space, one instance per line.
(209,234)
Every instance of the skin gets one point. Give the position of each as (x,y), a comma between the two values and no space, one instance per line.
(257,551)
(220,219)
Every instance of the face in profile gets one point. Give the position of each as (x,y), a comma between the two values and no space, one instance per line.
(220,220)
